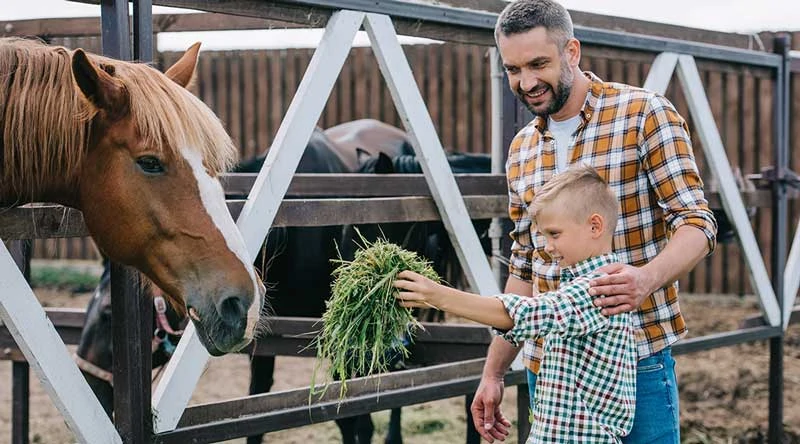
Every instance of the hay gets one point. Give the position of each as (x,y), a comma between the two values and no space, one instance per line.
(363,323)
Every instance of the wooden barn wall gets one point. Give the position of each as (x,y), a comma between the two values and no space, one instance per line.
(251,90)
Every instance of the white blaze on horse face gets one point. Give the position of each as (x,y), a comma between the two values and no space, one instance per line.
(213,197)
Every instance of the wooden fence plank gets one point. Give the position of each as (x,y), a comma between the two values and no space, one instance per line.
(481,140)
(448,105)
(462,99)
(433,93)
(765,153)
(376,86)
(359,63)
(248,110)
(263,94)
(616,71)
(233,91)
(750,144)
(715,94)
(278,77)
(16,223)
(731,257)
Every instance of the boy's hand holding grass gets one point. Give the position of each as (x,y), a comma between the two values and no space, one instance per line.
(419,291)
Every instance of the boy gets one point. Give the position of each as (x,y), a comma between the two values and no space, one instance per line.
(587,382)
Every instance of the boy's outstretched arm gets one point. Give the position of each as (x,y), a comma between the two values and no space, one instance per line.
(419,291)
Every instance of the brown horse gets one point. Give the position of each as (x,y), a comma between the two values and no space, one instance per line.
(139,155)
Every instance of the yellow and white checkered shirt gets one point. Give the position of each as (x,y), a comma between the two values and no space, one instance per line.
(640,145)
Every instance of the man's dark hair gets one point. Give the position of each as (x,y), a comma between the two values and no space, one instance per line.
(524,15)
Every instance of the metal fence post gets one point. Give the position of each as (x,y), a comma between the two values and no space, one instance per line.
(779,230)
(132,313)
(21,388)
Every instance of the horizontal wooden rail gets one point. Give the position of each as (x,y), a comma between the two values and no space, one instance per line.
(465,23)
(485,196)
(292,408)
(68,323)
(295,408)
(366,201)
(758,321)
(291,336)
(54,221)
(368,185)
(269,412)
(435,343)
(90,26)
(725,339)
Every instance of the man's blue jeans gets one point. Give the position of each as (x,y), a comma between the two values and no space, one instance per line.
(657,419)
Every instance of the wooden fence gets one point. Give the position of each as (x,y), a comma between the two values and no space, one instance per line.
(251,90)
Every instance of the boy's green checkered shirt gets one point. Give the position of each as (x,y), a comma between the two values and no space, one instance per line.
(586,389)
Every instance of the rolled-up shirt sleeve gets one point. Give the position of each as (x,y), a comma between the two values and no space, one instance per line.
(522,249)
(667,156)
(568,312)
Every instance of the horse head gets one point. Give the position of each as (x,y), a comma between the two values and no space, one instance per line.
(140,156)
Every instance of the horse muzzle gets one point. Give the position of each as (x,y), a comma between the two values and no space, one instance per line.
(222,325)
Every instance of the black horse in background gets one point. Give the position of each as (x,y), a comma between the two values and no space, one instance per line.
(297,267)
(94,354)
(297,253)
(428,238)
(297,271)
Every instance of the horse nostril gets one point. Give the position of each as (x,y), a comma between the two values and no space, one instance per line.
(232,311)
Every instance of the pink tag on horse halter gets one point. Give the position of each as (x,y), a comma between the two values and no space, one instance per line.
(161,316)
(160,304)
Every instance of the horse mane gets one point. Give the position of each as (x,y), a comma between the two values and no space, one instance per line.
(46,118)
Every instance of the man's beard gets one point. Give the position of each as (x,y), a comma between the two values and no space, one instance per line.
(560,95)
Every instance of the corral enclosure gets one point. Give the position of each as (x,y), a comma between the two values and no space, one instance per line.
(250,91)
(741,99)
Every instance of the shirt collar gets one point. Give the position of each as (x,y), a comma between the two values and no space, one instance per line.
(587,266)
(587,110)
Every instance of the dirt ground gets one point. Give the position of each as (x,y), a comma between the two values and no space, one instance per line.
(723,392)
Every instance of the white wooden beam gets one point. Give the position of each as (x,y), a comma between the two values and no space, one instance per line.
(429,151)
(48,357)
(661,71)
(301,118)
(729,191)
(184,369)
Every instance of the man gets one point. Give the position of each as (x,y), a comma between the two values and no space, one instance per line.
(640,145)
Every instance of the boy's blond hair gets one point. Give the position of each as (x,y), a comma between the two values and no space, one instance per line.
(581,192)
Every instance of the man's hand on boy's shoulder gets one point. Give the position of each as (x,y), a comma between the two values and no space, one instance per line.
(623,286)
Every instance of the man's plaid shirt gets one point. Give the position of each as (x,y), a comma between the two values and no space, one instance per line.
(640,145)
(586,389)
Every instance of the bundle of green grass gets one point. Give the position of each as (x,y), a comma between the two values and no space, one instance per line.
(363,321)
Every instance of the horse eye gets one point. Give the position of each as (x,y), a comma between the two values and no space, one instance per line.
(150,165)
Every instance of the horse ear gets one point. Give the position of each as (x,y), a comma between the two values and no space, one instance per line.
(384,165)
(362,156)
(97,85)
(182,72)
